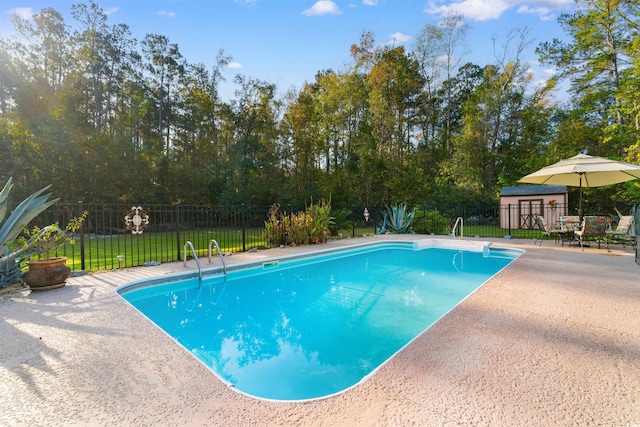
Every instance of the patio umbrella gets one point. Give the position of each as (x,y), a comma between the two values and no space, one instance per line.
(584,171)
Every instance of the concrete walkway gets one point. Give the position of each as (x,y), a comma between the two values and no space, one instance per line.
(553,340)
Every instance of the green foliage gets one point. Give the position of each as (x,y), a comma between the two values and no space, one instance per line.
(11,226)
(340,222)
(320,221)
(399,219)
(41,243)
(635,211)
(301,228)
(79,112)
(602,117)
(430,222)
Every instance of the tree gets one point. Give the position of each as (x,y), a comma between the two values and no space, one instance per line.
(252,174)
(165,65)
(42,61)
(395,86)
(504,126)
(439,51)
(597,61)
(301,127)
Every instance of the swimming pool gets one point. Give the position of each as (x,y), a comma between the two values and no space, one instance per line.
(311,326)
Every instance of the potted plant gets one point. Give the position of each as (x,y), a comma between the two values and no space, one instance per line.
(12,224)
(47,272)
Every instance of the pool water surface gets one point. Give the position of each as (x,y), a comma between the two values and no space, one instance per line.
(310,327)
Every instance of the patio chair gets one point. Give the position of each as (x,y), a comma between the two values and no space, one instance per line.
(570,222)
(622,233)
(555,232)
(569,225)
(593,228)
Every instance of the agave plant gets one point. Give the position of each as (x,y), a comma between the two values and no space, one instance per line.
(14,224)
(399,219)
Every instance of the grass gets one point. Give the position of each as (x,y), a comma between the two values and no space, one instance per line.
(101,252)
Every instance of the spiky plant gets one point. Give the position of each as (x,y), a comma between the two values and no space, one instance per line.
(399,219)
(14,224)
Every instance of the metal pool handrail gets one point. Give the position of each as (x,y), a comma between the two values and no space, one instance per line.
(224,264)
(195,256)
(460,221)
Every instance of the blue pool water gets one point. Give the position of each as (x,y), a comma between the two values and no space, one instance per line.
(310,327)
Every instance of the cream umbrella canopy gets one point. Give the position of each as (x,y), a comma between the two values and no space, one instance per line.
(584,171)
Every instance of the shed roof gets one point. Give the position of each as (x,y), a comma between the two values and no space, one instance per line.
(528,190)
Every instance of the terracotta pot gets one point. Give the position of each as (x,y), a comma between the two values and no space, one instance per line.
(46,274)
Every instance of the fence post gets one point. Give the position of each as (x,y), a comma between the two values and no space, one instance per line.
(509,216)
(82,258)
(376,217)
(353,223)
(244,231)
(178,230)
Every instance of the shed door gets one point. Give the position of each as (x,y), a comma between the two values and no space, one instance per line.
(528,209)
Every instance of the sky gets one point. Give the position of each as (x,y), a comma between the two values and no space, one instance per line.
(287,42)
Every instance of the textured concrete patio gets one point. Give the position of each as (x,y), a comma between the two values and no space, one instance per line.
(553,340)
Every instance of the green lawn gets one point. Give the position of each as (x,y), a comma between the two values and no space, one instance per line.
(101,253)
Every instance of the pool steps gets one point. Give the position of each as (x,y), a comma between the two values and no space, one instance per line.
(467,245)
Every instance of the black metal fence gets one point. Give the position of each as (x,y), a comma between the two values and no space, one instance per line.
(117,235)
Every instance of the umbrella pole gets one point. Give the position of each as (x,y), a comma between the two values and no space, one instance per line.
(580,201)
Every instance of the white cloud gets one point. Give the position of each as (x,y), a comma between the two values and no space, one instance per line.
(322,7)
(544,12)
(234,65)
(483,10)
(535,10)
(25,13)
(370,2)
(540,76)
(478,10)
(551,4)
(111,11)
(165,13)
(398,38)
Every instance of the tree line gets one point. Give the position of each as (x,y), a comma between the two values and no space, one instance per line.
(107,118)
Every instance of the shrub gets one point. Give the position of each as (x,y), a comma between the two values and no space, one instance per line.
(43,242)
(431,222)
(274,227)
(340,222)
(301,228)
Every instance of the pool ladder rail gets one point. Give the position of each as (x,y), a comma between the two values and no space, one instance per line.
(460,221)
(213,242)
(224,264)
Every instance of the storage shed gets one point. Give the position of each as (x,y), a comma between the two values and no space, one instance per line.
(520,204)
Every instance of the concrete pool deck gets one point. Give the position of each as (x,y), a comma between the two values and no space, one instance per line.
(552,340)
